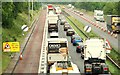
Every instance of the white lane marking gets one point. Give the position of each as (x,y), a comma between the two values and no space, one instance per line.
(43,56)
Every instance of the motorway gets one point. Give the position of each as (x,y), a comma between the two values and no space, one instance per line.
(32,52)
(113,41)
(74,57)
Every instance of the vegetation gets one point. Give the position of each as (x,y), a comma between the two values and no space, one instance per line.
(14,15)
(109,8)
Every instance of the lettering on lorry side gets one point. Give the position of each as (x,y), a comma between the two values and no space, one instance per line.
(53,46)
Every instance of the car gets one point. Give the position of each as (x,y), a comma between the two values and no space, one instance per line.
(63,22)
(54,35)
(81,13)
(66,27)
(75,39)
(70,32)
(80,48)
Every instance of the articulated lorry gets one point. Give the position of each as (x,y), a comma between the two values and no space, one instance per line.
(53,22)
(99,15)
(95,56)
(113,23)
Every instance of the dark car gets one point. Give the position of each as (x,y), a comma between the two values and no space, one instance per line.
(75,39)
(80,48)
(70,32)
(66,27)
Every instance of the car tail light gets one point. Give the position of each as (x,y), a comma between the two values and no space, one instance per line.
(78,47)
(105,69)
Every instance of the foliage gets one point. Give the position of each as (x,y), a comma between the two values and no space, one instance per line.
(7,14)
(109,8)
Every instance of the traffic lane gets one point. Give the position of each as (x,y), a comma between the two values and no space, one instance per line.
(112,40)
(75,57)
(31,54)
(91,18)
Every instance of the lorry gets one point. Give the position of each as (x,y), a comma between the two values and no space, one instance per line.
(113,23)
(57,50)
(69,5)
(58,10)
(50,8)
(52,22)
(95,56)
(99,15)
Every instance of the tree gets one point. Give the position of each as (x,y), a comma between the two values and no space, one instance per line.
(7,14)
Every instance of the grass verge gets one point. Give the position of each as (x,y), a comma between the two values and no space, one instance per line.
(15,32)
(113,69)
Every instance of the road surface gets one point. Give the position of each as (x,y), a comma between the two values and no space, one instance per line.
(31,54)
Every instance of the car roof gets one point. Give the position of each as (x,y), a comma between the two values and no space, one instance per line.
(70,30)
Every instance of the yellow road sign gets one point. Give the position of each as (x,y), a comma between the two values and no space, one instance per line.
(11,47)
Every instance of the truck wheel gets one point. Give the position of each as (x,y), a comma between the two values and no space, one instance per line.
(67,34)
(82,56)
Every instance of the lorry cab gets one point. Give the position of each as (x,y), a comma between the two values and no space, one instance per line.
(113,23)
(95,56)
(99,15)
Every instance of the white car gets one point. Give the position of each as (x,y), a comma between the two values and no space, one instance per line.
(54,35)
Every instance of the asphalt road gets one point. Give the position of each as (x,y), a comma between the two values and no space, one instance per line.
(31,54)
(91,17)
(75,57)
(112,40)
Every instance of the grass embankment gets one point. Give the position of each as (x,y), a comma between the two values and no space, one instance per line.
(15,33)
(113,69)
(81,26)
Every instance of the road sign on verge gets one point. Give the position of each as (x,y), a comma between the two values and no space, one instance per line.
(24,28)
(11,47)
(87,29)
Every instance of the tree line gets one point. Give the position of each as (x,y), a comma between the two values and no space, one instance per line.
(10,11)
(109,8)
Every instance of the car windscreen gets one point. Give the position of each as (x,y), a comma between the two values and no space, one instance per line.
(53,36)
(54,47)
(77,38)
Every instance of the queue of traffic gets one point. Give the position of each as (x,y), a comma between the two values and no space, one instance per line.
(94,55)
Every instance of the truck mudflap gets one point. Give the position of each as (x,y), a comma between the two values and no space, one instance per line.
(105,69)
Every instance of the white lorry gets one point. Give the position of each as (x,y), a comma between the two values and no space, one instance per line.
(99,15)
(57,50)
(52,22)
(95,56)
